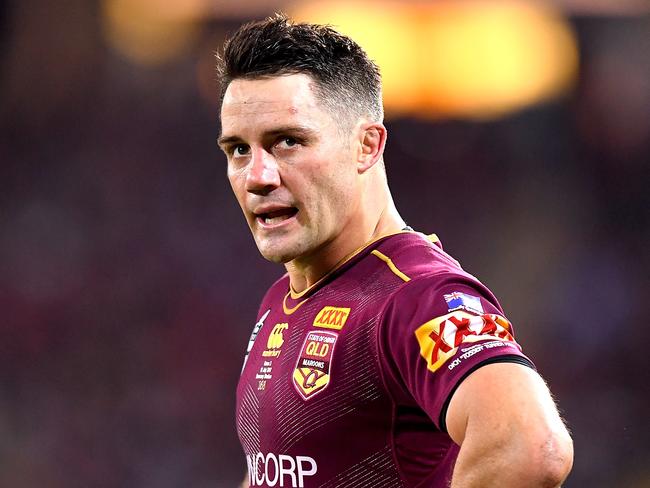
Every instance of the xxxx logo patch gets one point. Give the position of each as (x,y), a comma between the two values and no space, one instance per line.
(332,317)
(440,338)
(312,372)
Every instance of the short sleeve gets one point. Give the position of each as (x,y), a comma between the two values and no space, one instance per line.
(434,332)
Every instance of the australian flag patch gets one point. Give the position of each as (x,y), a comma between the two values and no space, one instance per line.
(461,301)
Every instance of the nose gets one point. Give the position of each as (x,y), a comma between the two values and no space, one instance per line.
(263,175)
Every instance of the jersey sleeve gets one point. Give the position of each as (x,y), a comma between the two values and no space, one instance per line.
(434,333)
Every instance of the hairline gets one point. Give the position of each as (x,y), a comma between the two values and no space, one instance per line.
(320,89)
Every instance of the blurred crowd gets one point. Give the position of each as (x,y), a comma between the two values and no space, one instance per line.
(129,282)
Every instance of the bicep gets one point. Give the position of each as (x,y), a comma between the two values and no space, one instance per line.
(501,401)
(509,431)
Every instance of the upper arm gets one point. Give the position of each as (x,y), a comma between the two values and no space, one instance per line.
(447,348)
(506,409)
(501,396)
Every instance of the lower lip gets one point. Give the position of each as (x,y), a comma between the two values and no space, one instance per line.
(277,225)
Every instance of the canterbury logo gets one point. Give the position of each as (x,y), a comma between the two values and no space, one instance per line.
(332,318)
(275,337)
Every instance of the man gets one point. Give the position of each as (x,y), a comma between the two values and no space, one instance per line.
(376,361)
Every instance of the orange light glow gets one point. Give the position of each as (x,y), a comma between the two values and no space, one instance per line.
(151,32)
(385,32)
(482,59)
(458,58)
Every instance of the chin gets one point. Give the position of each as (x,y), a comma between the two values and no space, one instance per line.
(275,258)
(279,256)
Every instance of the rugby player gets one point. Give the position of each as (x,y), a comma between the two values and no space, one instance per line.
(376,360)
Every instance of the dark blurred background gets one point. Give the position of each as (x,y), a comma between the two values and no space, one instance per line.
(129,282)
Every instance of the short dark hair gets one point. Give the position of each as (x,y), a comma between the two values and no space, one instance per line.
(345,78)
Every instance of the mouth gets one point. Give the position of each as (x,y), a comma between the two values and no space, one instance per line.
(276,218)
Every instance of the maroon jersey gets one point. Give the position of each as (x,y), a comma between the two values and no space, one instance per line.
(347,384)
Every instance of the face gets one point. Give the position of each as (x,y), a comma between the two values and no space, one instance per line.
(290,165)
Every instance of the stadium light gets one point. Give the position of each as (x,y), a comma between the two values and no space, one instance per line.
(463,58)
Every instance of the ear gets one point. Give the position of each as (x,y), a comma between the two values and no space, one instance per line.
(372,140)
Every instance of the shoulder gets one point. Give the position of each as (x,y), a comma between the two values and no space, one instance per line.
(436,329)
(433,281)
(415,255)
(440,292)
(437,311)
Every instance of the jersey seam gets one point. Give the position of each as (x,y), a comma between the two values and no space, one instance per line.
(391,265)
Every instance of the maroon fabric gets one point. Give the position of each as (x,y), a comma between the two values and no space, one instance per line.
(335,397)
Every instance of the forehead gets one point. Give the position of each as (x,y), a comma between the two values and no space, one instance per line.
(250,103)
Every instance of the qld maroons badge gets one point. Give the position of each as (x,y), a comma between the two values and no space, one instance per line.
(312,372)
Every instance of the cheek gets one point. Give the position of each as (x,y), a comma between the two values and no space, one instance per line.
(326,189)
(238,189)
(236,175)
(337,197)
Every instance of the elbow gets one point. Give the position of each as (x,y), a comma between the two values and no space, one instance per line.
(552,459)
(531,456)
(561,454)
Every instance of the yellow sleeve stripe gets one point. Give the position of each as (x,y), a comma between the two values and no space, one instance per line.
(391,265)
(433,238)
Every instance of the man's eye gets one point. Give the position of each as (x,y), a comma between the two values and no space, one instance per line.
(288,141)
(240,149)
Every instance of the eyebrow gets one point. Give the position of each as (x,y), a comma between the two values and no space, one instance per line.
(227,140)
(288,129)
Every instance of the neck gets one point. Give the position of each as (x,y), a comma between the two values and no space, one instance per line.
(305,272)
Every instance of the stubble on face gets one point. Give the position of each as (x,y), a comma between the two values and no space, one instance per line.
(315,175)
